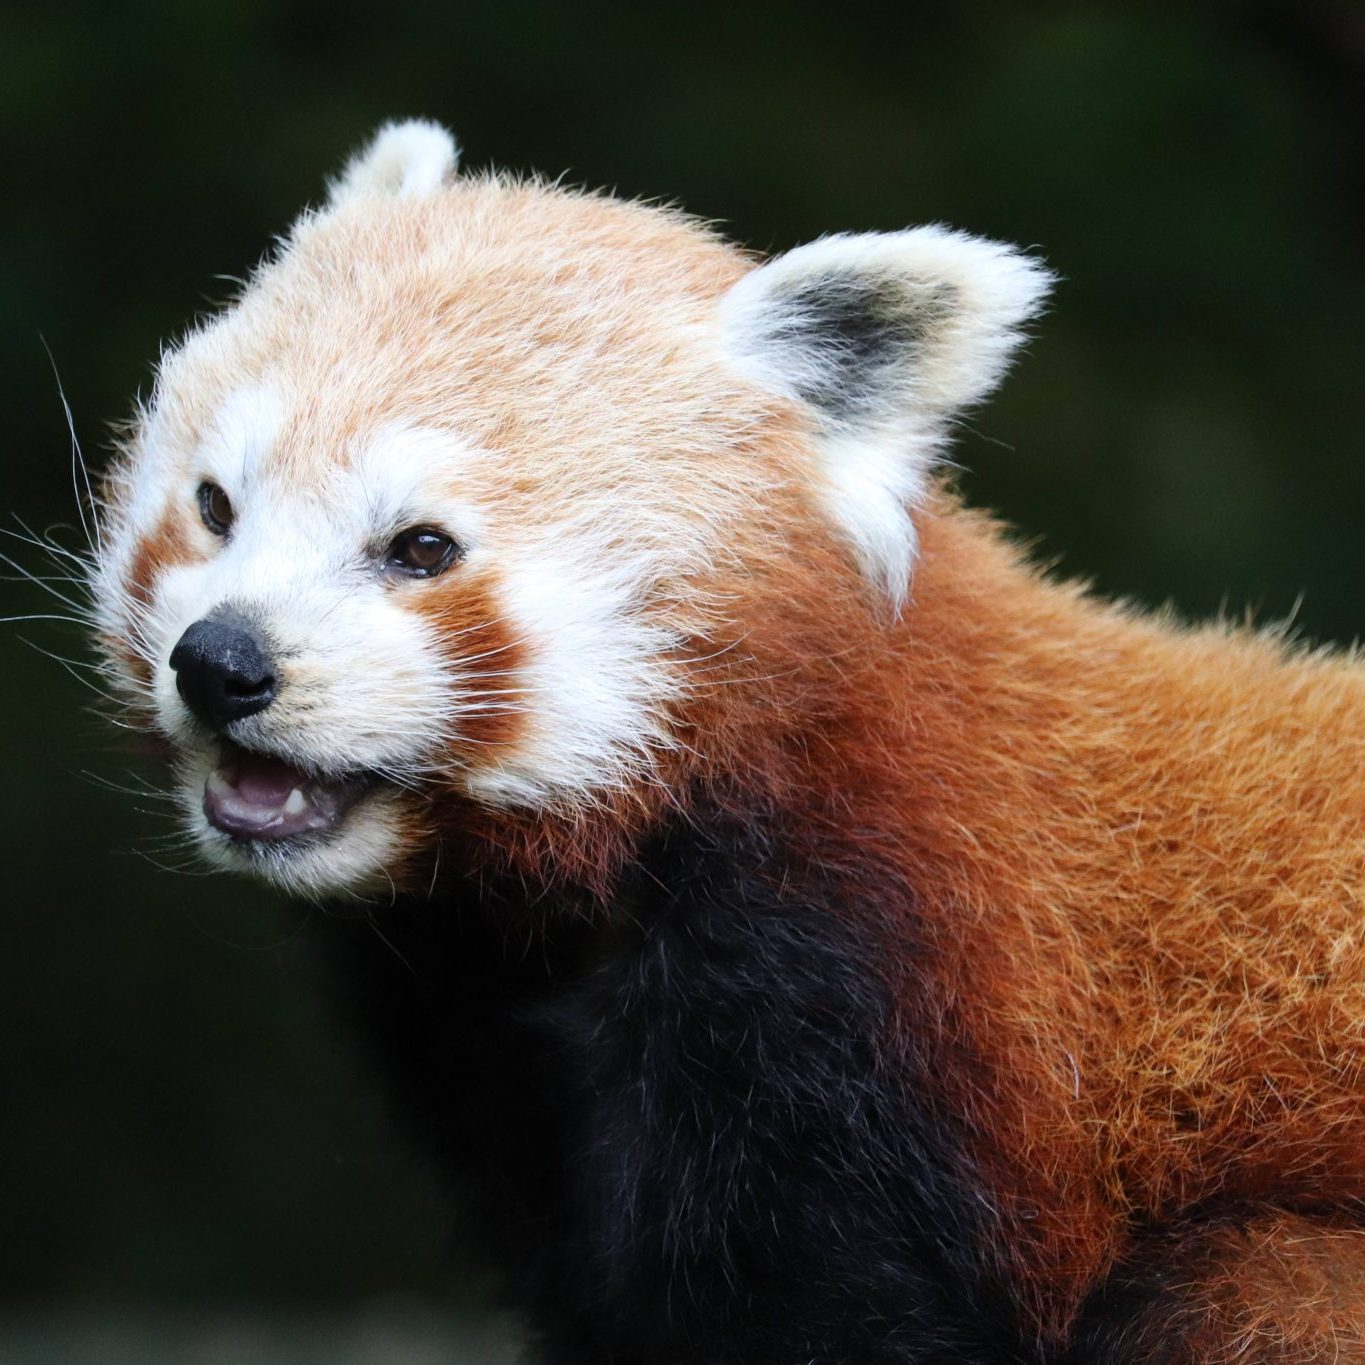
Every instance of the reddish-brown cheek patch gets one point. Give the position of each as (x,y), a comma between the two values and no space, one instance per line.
(484,658)
(164,547)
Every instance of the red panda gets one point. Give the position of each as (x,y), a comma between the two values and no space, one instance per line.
(819,935)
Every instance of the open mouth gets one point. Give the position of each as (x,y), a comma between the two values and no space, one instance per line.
(260,798)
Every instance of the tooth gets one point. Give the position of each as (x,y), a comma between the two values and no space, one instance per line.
(297,803)
(218,784)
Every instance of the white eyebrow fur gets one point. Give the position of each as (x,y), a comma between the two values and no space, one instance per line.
(243,432)
(408,472)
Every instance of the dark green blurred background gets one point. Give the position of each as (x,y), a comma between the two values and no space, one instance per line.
(178,1126)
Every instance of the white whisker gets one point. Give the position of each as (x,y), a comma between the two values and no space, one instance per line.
(92,527)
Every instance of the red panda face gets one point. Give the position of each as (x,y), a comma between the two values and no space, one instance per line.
(453,502)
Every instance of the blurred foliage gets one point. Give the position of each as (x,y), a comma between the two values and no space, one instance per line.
(178,1122)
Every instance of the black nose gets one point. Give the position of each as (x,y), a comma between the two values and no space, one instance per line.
(222,670)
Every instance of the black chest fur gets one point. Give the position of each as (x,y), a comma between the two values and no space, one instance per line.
(687,1138)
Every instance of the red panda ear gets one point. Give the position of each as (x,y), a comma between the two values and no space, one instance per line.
(402,159)
(886,336)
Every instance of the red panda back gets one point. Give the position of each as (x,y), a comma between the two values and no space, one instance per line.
(1137,854)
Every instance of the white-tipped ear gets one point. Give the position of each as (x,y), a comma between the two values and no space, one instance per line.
(402,159)
(886,336)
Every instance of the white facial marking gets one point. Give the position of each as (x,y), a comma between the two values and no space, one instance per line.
(361,678)
(590,528)
(597,683)
(363,683)
(406,475)
(244,430)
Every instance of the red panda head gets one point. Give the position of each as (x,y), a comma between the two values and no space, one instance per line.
(477,480)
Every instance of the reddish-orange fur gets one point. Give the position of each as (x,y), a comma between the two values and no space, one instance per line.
(165,547)
(1138,856)
(1270,1287)
(483,652)
(1133,854)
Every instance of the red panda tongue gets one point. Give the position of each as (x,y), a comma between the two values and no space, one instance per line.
(255,796)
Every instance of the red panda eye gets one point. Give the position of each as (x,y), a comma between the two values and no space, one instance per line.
(421,552)
(215,508)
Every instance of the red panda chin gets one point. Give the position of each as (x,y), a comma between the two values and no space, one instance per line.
(260,797)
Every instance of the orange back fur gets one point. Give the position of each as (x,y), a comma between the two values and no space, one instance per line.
(1138,854)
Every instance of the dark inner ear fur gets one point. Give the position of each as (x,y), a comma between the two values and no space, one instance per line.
(865,332)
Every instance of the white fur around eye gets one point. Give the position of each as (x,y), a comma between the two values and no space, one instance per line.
(404,476)
(243,432)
